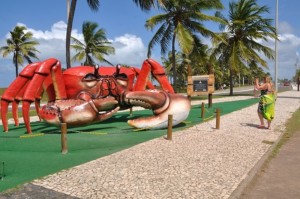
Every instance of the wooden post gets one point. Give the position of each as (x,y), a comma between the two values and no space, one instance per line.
(217,118)
(64,145)
(202,110)
(170,124)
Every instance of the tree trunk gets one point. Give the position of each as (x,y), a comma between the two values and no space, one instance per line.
(16,63)
(174,64)
(231,81)
(69,30)
(210,68)
(17,69)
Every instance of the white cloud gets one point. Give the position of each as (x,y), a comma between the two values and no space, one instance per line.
(289,39)
(51,42)
(57,31)
(288,47)
(129,49)
(285,27)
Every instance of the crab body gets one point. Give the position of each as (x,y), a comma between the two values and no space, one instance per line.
(82,79)
(84,94)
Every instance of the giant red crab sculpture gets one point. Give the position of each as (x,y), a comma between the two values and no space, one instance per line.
(85,94)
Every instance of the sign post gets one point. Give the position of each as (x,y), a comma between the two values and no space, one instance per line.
(201,84)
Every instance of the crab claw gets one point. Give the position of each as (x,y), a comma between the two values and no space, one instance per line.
(162,105)
(79,112)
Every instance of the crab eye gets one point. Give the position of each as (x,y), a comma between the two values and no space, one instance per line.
(122,79)
(121,76)
(90,80)
(122,82)
(89,77)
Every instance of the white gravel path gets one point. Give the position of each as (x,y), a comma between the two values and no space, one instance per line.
(199,162)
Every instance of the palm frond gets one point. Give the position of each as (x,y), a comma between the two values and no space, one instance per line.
(95,44)
(94,4)
(185,39)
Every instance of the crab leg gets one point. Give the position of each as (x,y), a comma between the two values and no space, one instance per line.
(49,67)
(4,110)
(145,84)
(15,105)
(15,109)
(158,73)
(32,77)
(162,105)
(14,90)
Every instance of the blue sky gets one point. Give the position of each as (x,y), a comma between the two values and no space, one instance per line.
(124,23)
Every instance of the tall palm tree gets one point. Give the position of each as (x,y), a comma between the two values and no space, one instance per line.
(95,45)
(21,45)
(297,76)
(167,62)
(94,5)
(244,28)
(181,23)
(198,61)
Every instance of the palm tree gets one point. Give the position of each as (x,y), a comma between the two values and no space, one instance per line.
(167,62)
(297,76)
(181,23)
(145,5)
(256,71)
(198,60)
(94,5)
(244,28)
(21,45)
(95,45)
(201,60)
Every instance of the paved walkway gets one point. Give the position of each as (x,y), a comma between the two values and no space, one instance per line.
(200,162)
(279,179)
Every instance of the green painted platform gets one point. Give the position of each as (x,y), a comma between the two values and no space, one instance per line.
(28,157)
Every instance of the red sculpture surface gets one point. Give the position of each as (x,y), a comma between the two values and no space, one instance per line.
(84,94)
